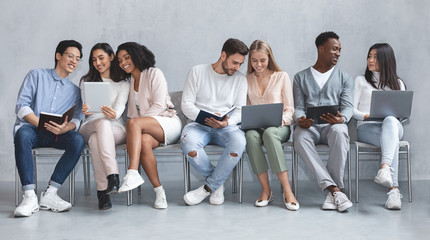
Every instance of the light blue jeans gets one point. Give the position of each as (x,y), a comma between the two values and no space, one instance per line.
(385,135)
(196,136)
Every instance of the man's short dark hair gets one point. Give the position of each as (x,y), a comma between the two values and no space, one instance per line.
(63,45)
(323,37)
(233,45)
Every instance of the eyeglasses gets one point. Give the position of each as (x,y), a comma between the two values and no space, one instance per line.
(73,56)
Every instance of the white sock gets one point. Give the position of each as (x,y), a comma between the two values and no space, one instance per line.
(158,189)
(51,189)
(132,171)
(29,193)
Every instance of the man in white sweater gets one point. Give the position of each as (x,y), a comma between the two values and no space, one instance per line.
(215,88)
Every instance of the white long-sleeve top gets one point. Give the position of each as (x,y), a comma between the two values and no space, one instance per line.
(363,94)
(208,90)
(118,101)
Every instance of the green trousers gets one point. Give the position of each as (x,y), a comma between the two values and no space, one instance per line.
(271,138)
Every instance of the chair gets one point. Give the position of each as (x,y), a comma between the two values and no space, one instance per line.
(46,152)
(321,149)
(360,149)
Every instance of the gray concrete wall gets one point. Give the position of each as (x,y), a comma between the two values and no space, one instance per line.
(190,32)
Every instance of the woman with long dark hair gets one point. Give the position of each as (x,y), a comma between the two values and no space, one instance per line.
(267,83)
(380,75)
(103,131)
(153,121)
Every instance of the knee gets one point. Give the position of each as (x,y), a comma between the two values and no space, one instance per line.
(102,123)
(77,141)
(252,136)
(390,120)
(131,123)
(23,135)
(146,142)
(339,130)
(270,134)
(192,154)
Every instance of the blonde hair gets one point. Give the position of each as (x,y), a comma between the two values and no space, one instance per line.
(262,46)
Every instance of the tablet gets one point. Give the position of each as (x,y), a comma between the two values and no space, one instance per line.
(96,94)
(316,112)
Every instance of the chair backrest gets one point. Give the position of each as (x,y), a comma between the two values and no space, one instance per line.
(176,98)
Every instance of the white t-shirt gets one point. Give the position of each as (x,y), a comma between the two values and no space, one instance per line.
(321,78)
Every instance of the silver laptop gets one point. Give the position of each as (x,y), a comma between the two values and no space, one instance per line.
(96,94)
(390,103)
(262,116)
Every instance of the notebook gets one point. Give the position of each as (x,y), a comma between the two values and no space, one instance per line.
(97,94)
(390,103)
(262,116)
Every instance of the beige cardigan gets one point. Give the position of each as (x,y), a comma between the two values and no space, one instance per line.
(278,90)
(153,95)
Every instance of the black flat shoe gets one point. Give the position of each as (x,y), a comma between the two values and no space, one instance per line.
(113,184)
(104,200)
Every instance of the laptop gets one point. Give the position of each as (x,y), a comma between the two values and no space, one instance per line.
(390,103)
(96,94)
(262,116)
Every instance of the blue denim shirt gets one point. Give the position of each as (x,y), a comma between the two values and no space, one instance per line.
(44,91)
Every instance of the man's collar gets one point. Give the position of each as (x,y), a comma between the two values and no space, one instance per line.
(57,77)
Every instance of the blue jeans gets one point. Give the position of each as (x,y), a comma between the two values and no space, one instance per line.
(385,135)
(28,137)
(196,136)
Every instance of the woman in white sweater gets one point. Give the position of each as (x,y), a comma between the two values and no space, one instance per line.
(104,130)
(153,121)
(380,75)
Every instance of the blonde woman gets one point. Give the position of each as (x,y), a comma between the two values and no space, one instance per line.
(267,83)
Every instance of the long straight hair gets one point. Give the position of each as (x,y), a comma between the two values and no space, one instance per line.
(93,74)
(262,46)
(387,67)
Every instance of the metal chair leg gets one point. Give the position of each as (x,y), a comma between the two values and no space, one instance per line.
(357,172)
(240,179)
(17,181)
(349,175)
(72,187)
(234,179)
(409,172)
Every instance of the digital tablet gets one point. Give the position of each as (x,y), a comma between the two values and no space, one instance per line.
(96,94)
(316,112)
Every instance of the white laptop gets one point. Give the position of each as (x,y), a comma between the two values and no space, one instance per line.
(262,116)
(96,94)
(390,103)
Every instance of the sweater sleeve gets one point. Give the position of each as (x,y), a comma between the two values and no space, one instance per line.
(121,99)
(189,95)
(347,98)
(358,87)
(236,116)
(288,100)
(159,93)
(299,98)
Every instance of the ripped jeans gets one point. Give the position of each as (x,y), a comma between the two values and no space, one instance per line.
(196,136)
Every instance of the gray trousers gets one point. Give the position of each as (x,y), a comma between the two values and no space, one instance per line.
(337,138)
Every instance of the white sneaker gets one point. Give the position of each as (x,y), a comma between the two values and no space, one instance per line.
(329,202)
(342,202)
(160,198)
(51,201)
(131,181)
(196,196)
(27,207)
(217,197)
(384,177)
(394,201)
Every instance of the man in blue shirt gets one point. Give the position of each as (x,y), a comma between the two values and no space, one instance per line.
(324,84)
(48,90)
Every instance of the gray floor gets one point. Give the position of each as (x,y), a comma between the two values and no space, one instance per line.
(366,220)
